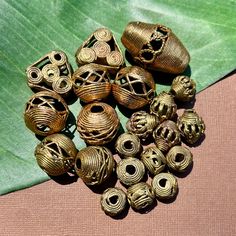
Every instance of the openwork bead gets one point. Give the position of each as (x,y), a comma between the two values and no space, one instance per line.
(128,145)
(142,124)
(94,164)
(51,72)
(46,113)
(113,201)
(183,88)
(154,160)
(165,186)
(155,47)
(130,171)
(56,154)
(91,82)
(97,123)
(191,126)
(133,87)
(179,158)
(163,106)
(140,196)
(166,135)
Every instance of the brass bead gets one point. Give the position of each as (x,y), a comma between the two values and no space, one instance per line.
(113,201)
(133,87)
(130,171)
(142,124)
(128,145)
(91,82)
(56,154)
(179,158)
(166,135)
(191,126)
(97,123)
(183,88)
(155,47)
(163,106)
(153,159)
(46,113)
(165,186)
(94,164)
(140,196)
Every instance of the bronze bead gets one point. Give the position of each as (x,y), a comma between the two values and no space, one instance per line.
(140,196)
(142,124)
(94,164)
(46,113)
(56,154)
(130,171)
(97,123)
(155,47)
(153,159)
(113,201)
(165,186)
(191,126)
(163,106)
(128,145)
(183,88)
(166,135)
(133,87)
(179,158)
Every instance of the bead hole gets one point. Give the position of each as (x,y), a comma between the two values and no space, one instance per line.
(148,56)
(128,144)
(113,200)
(43,128)
(57,57)
(78,163)
(50,73)
(63,84)
(155,161)
(162,183)
(179,157)
(96,109)
(156,44)
(130,169)
(34,75)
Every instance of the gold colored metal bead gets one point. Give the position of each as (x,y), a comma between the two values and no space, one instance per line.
(130,171)
(142,124)
(179,158)
(191,126)
(140,196)
(91,82)
(183,88)
(165,186)
(154,160)
(155,47)
(113,201)
(163,106)
(46,113)
(94,164)
(166,135)
(62,86)
(56,154)
(98,123)
(128,145)
(133,87)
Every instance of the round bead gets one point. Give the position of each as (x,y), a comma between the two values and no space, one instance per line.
(154,160)
(46,113)
(56,154)
(103,34)
(94,164)
(165,186)
(140,196)
(113,201)
(130,171)
(179,158)
(128,145)
(62,86)
(97,123)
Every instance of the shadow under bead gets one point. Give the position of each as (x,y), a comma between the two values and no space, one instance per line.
(133,87)
(94,164)
(155,47)
(56,154)
(98,123)
(46,113)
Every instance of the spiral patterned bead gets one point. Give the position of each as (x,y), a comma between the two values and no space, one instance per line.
(62,86)
(103,34)
(50,73)
(115,58)
(86,55)
(34,75)
(58,58)
(102,49)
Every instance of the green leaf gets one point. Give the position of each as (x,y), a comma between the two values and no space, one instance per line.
(30,29)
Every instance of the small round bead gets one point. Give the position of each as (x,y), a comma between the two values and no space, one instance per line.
(62,86)
(154,160)
(113,201)
(165,186)
(140,196)
(128,145)
(130,171)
